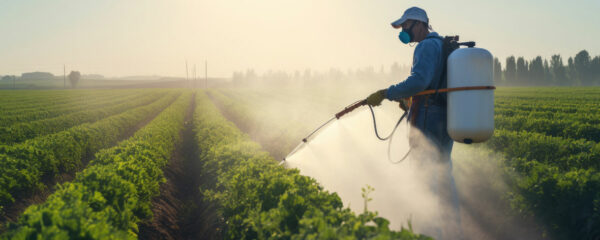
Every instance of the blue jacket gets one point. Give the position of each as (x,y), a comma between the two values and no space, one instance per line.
(426,73)
(426,70)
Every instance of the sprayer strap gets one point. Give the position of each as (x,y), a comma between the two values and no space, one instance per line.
(433,91)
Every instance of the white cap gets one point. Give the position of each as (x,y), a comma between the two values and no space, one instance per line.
(413,13)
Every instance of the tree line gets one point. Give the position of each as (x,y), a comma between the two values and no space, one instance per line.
(308,77)
(581,70)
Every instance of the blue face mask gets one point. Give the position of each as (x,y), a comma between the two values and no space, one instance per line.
(406,35)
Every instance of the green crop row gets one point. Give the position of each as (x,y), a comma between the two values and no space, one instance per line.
(274,122)
(24,95)
(260,199)
(24,166)
(23,131)
(545,92)
(567,201)
(566,154)
(541,98)
(71,107)
(69,100)
(548,107)
(556,179)
(565,128)
(23,99)
(588,117)
(550,102)
(109,198)
(275,136)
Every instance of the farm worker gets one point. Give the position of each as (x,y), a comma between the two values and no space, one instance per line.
(427,114)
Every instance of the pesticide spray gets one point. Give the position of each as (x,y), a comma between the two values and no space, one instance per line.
(345,157)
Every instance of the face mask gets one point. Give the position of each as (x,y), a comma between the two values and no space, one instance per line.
(406,35)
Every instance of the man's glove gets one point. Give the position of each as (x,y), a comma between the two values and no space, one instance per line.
(405,103)
(375,98)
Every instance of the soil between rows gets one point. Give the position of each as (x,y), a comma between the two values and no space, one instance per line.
(179,211)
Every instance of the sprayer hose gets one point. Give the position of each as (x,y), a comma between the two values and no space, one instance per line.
(390,136)
(375,125)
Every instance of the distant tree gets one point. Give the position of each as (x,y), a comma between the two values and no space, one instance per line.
(522,70)
(582,63)
(297,76)
(74,77)
(595,70)
(536,71)
(582,69)
(548,80)
(307,74)
(251,76)
(559,73)
(395,72)
(510,72)
(572,72)
(238,77)
(92,76)
(336,75)
(7,78)
(37,75)
(497,71)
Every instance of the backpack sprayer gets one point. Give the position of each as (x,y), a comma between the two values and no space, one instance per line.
(470,96)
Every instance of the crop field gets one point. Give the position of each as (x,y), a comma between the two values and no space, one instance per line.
(100,164)
(184,164)
(548,139)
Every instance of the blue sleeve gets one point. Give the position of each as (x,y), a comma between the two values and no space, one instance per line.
(425,61)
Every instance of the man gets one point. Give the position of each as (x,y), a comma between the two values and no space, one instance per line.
(427,113)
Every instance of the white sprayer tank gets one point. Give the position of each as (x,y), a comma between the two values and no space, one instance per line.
(470,112)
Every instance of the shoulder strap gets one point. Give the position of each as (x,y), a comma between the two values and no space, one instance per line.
(449,44)
(438,37)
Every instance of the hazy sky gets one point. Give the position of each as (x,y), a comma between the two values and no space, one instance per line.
(135,37)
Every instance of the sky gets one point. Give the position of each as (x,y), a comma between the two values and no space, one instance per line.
(156,37)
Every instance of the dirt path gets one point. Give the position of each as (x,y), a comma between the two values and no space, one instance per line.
(179,211)
(13,211)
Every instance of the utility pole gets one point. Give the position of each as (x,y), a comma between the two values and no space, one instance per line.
(206,74)
(187,78)
(64,76)
(194,75)
(14,78)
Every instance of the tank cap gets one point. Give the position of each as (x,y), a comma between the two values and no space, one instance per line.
(468,140)
(470,44)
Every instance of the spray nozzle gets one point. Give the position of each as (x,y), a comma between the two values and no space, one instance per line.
(350,108)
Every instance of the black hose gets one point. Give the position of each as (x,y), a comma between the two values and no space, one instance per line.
(390,136)
(375,125)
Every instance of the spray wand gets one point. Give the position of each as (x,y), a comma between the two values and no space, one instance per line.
(347,110)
